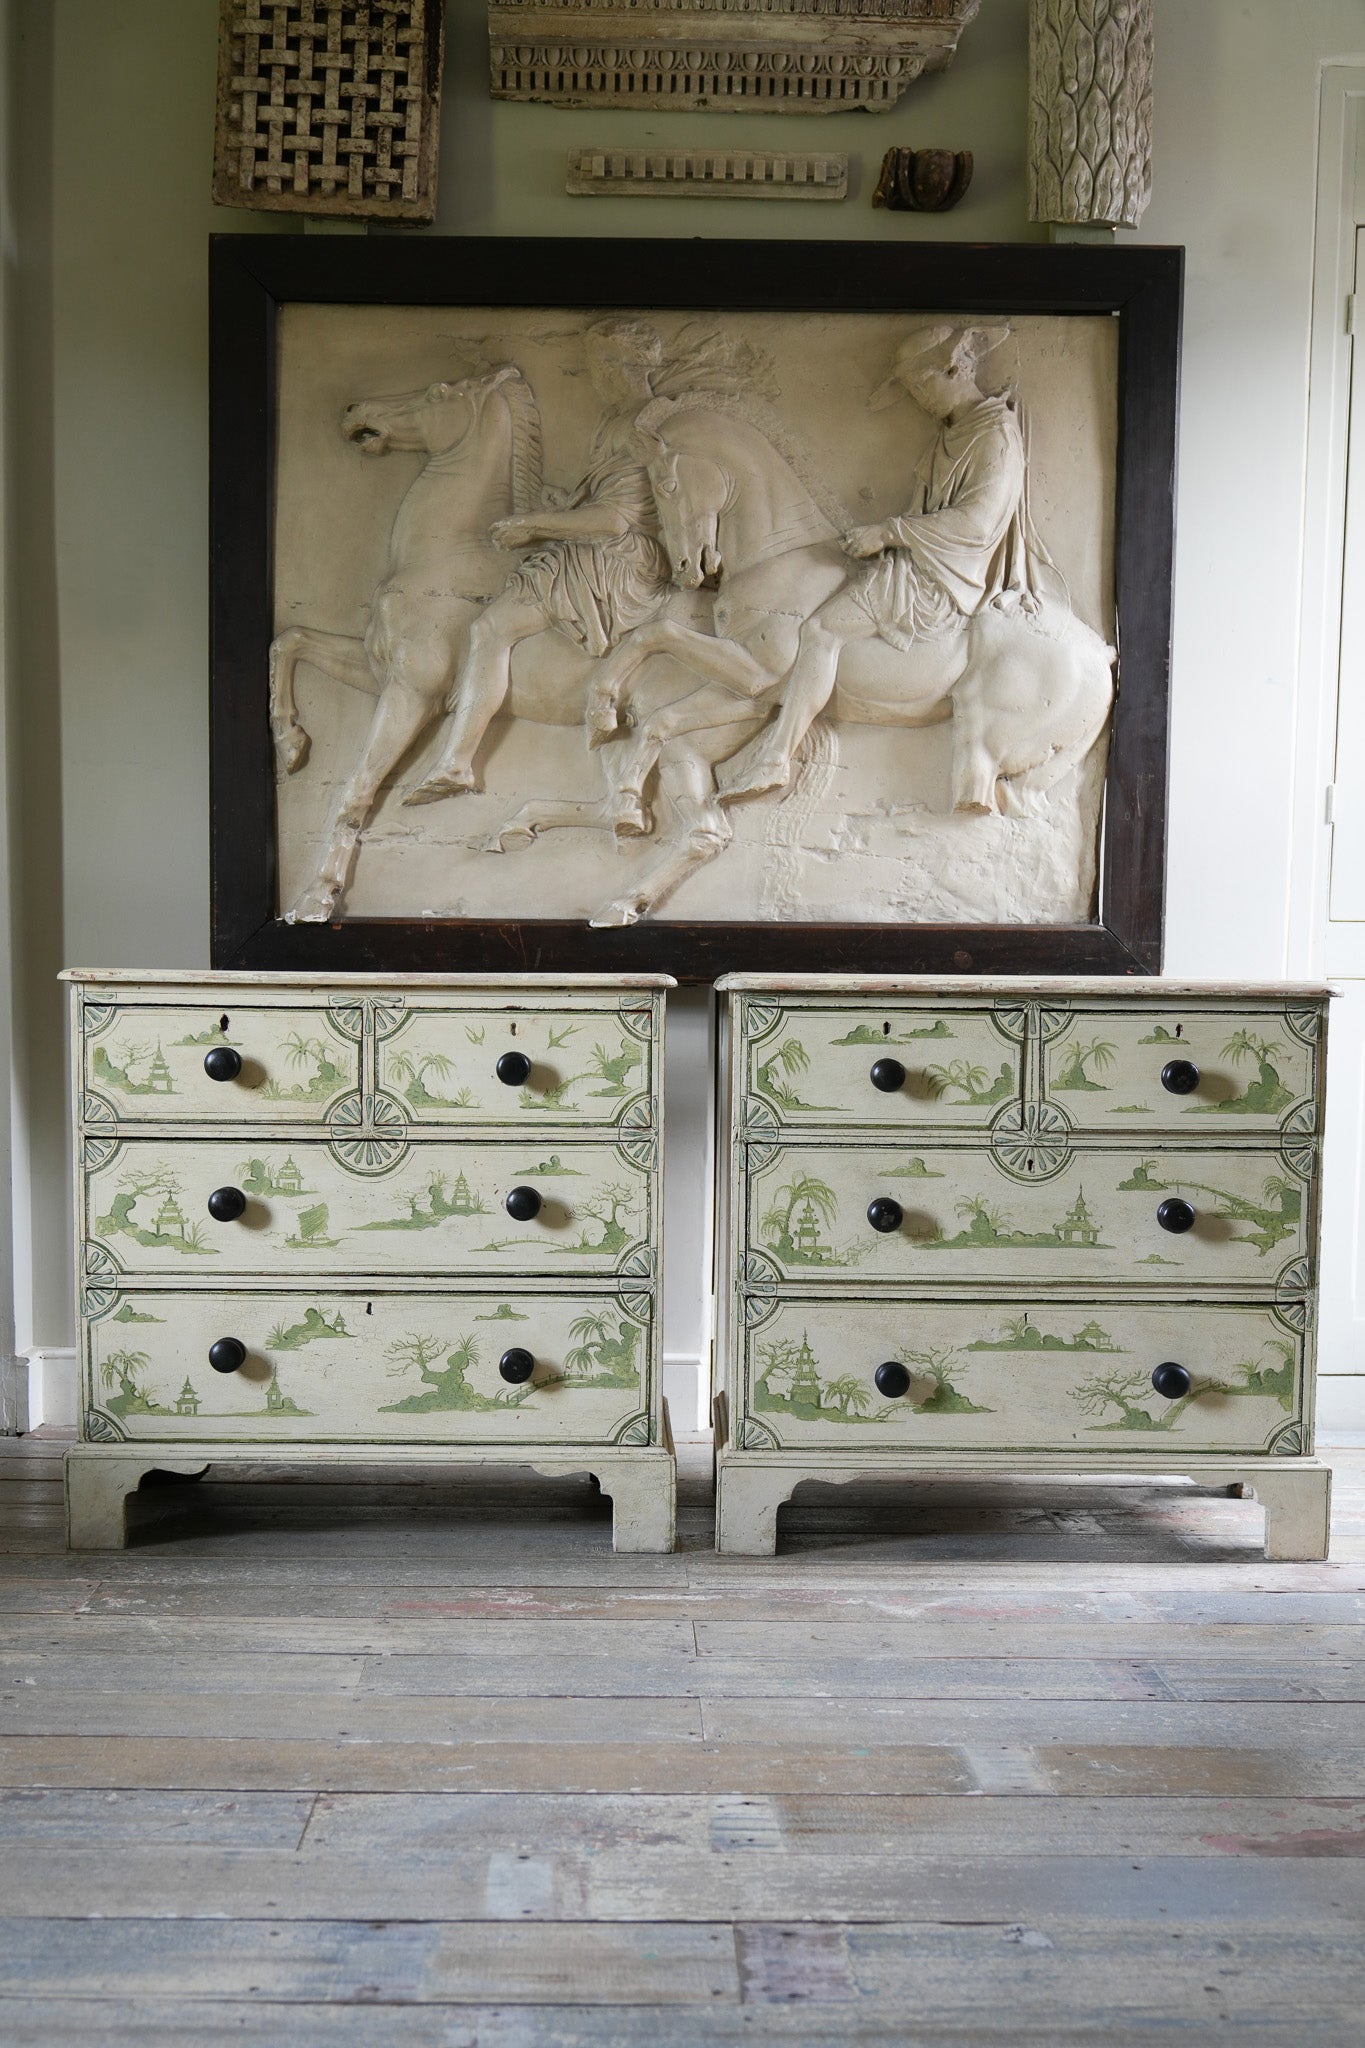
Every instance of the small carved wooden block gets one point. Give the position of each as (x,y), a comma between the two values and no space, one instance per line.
(923,180)
(329,107)
(707,174)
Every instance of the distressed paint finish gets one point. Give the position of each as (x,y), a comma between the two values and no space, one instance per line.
(375,1277)
(1029,1288)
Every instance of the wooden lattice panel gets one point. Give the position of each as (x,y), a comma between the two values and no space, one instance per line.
(329,107)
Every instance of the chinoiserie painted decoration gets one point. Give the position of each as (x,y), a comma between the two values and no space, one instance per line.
(969,1225)
(923,180)
(706,174)
(1090,111)
(693,56)
(757,617)
(329,107)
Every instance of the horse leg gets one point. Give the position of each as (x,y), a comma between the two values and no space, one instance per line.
(769,762)
(401,716)
(481,686)
(689,780)
(545,814)
(337,655)
(975,765)
(705,710)
(613,673)
(728,663)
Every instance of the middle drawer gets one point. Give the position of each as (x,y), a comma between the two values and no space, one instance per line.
(442,1210)
(953,1214)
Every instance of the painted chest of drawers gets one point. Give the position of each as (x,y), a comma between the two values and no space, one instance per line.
(1062,1226)
(337,1219)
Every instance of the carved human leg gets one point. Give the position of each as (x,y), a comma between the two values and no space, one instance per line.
(99,1480)
(747,1500)
(1298,1507)
(717,660)
(480,689)
(337,655)
(707,710)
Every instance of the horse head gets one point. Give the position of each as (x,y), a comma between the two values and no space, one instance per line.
(690,493)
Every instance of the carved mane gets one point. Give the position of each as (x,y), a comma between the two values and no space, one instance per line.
(527,447)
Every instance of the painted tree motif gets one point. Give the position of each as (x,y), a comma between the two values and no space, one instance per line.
(613,1069)
(775,1074)
(127,1370)
(1120,1387)
(1267,1094)
(604,1353)
(312,1057)
(969,1081)
(410,1070)
(606,1207)
(169,1229)
(848,1395)
(1079,1057)
(942,1364)
(793,1238)
(446,1388)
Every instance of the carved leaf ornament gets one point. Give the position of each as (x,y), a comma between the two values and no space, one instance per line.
(1090,125)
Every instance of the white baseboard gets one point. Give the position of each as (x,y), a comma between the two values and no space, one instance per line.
(53,1387)
(687,1395)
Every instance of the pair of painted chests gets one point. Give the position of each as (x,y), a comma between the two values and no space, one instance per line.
(962,1227)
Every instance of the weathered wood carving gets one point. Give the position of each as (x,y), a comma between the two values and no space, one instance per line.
(706,174)
(329,107)
(686,56)
(1090,111)
(923,180)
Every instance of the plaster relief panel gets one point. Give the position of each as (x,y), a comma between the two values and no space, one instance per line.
(764,617)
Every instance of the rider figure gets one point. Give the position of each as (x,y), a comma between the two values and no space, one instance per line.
(597,569)
(960,547)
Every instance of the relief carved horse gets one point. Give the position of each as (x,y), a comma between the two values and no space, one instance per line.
(1028,693)
(481,438)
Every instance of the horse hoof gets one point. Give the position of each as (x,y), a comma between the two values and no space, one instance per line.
(511,839)
(454,782)
(292,746)
(315,906)
(629,820)
(623,911)
(602,722)
(758,779)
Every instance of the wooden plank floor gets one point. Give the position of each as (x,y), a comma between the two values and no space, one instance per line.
(314,1763)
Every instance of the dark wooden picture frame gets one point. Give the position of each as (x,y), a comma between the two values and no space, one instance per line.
(253,276)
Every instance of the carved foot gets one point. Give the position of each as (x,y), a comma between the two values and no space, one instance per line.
(761,773)
(318,904)
(444,782)
(292,746)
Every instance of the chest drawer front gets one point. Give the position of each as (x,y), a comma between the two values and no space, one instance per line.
(963,1219)
(985,1377)
(1256,1068)
(145,1061)
(562,1064)
(339,1365)
(814,1065)
(440,1210)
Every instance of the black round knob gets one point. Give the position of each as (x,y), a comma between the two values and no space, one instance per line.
(522,1204)
(227,1354)
(516,1365)
(512,1069)
(1171,1381)
(884,1214)
(226,1204)
(1175,1214)
(887,1076)
(892,1379)
(1180,1077)
(222,1063)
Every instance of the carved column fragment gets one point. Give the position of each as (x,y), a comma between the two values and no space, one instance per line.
(1090,111)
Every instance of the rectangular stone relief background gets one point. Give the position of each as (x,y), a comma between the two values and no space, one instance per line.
(868,833)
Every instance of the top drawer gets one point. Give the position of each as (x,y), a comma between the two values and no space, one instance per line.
(1208,1071)
(521,1064)
(146,1060)
(884,1063)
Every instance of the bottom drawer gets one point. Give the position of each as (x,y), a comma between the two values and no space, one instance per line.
(982,1377)
(345,1366)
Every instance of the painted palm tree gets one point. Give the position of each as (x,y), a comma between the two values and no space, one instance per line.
(592,1332)
(1082,1056)
(983,1224)
(967,1076)
(848,1394)
(790,1059)
(1267,1093)
(613,1069)
(412,1070)
(776,1224)
(126,1370)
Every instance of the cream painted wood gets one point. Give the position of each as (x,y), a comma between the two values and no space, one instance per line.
(375,1287)
(1296,1496)
(440,1211)
(100,1478)
(1028,1292)
(966,1221)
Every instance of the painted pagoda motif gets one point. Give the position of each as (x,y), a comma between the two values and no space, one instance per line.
(187,1402)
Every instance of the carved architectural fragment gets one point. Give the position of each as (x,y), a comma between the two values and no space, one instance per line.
(779,56)
(707,174)
(923,180)
(1090,111)
(329,107)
